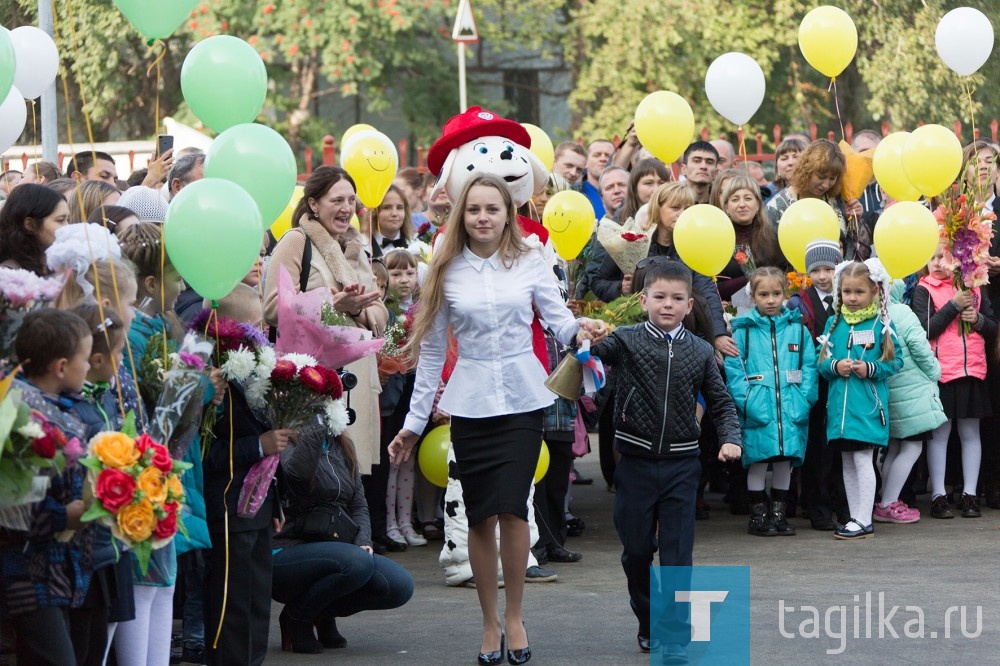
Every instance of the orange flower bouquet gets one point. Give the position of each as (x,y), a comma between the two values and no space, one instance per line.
(137,490)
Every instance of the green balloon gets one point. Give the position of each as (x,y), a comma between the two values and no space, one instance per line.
(224,81)
(156,20)
(213,235)
(259,160)
(8,63)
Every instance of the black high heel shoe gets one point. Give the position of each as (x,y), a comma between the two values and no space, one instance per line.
(297,635)
(521,655)
(492,658)
(329,636)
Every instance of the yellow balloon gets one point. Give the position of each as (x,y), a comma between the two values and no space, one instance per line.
(355,222)
(906,237)
(569,217)
(828,39)
(543,463)
(888,167)
(284,221)
(705,239)
(541,145)
(664,124)
(433,455)
(805,221)
(932,159)
(352,130)
(370,158)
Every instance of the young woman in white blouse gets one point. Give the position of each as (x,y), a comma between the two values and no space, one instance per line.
(484,283)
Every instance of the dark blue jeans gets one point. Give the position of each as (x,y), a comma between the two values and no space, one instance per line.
(650,494)
(333,579)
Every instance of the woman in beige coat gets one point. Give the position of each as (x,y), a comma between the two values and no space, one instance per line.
(339,263)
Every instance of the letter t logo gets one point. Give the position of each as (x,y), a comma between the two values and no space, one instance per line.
(701,610)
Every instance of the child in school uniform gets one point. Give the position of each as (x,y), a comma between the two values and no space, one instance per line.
(822,488)
(657,477)
(857,356)
(773,383)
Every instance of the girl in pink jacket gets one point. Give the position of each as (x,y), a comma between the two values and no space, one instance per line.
(958,323)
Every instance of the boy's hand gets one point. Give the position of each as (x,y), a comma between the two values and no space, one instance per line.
(730,452)
(592,329)
(74,510)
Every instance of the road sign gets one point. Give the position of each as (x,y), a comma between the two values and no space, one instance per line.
(465,24)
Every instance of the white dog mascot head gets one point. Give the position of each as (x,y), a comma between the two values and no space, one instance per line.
(479,141)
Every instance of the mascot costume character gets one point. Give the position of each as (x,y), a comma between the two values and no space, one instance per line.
(479,141)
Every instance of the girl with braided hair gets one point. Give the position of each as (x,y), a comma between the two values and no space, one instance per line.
(858,354)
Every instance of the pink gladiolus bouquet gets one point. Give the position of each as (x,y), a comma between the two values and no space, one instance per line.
(966,234)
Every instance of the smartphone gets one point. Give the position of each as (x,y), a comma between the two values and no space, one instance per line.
(164,142)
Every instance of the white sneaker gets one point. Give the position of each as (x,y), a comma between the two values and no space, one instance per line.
(412,538)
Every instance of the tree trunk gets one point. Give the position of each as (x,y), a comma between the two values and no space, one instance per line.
(303,86)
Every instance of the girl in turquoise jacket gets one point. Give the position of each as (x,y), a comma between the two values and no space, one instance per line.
(773,382)
(858,354)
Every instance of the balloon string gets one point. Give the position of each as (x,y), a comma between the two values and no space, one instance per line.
(225,518)
(980,186)
(156,64)
(74,41)
(836,103)
(743,146)
(34,134)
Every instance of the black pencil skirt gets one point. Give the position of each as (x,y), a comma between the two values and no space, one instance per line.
(497,457)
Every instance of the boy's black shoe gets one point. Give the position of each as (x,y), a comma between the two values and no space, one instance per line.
(647,644)
(970,507)
(940,507)
(560,554)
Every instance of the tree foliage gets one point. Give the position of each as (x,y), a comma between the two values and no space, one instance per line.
(397,55)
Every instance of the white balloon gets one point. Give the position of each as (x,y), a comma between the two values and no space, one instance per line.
(735,85)
(964,40)
(37,60)
(13,116)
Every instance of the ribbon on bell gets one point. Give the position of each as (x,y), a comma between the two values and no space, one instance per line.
(593,370)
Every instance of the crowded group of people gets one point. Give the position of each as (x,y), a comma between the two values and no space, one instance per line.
(815,401)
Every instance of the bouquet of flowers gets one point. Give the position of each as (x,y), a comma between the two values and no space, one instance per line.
(297,391)
(242,352)
(744,258)
(136,488)
(628,243)
(623,311)
(301,327)
(796,282)
(966,234)
(425,233)
(21,292)
(31,450)
(391,358)
(176,382)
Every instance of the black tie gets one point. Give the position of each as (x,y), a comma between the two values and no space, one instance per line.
(399,242)
(829,304)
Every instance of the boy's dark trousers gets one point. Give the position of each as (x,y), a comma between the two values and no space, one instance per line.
(651,493)
(820,473)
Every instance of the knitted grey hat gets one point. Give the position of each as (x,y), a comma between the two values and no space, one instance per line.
(145,202)
(822,253)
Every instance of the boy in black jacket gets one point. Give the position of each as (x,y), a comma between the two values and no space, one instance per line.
(661,368)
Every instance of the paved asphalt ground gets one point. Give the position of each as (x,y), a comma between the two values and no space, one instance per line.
(584,618)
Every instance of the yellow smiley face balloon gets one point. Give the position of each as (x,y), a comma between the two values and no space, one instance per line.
(354,129)
(371,159)
(569,218)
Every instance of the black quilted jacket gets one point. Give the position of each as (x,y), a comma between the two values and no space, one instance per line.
(657,386)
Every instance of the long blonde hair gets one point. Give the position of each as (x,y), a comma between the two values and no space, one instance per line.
(456,237)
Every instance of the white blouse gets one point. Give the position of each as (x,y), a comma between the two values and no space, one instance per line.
(490,310)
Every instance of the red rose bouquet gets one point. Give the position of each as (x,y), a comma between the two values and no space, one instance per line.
(31,449)
(298,392)
(137,489)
